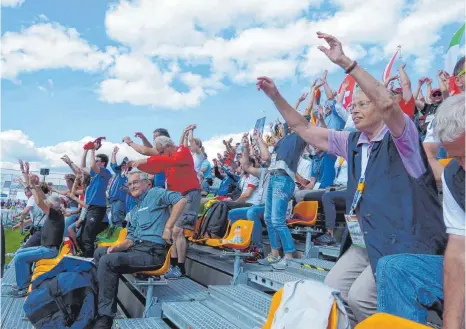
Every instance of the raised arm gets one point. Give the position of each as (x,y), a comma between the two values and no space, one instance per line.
(141,149)
(328,90)
(313,135)
(429,91)
(320,116)
(83,162)
(143,138)
(443,83)
(39,196)
(94,166)
(377,93)
(300,100)
(405,83)
(419,103)
(264,150)
(245,164)
(114,154)
(70,163)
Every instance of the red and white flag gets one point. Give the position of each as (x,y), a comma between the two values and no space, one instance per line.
(388,68)
(348,98)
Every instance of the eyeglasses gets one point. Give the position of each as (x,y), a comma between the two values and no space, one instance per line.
(362,105)
(135,182)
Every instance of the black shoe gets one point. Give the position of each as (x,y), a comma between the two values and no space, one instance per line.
(103,322)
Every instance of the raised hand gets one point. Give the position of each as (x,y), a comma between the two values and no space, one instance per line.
(268,87)
(320,111)
(139,135)
(335,51)
(402,67)
(26,167)
(127,140)
(345,85)
(303,97)
(422,80)
(324,76)
(66,159)
(21,165)
(116,149)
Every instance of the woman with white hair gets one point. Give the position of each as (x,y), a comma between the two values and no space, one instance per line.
(51,235)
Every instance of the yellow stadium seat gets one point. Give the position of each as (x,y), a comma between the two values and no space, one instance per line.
(218,242)
(388,321)
(246,233)
(121,237)
(444,162)
(165,267)
(304,214)
(276,300)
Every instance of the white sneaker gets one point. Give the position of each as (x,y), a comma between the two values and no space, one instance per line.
(269,260)
(280,265)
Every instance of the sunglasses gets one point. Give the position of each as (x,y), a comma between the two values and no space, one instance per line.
(461,73)
(437,94)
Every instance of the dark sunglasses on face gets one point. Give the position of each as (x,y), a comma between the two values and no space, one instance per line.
(437,94)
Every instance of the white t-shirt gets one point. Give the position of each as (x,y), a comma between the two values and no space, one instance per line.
(341,177)
(31,203)
(453,215)
(430,136)
(304,165)
(198,159)
(256,196)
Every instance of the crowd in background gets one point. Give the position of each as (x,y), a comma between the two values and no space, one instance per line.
(376,156)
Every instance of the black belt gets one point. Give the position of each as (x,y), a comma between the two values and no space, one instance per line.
(278,172)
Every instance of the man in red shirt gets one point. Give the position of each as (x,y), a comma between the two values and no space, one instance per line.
(178,164)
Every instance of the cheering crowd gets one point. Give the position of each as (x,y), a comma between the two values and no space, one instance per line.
(380,158)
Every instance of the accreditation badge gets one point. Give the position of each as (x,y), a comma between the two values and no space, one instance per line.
(355,231)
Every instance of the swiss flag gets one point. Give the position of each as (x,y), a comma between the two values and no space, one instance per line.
(348,98)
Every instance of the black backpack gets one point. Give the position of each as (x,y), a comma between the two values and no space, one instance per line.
(214,223)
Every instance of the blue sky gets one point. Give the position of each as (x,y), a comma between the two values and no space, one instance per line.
(139,83)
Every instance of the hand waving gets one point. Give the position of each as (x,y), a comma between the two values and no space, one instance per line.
(268,87)
(139,135)
(116,149)
(303,97)
(335,51)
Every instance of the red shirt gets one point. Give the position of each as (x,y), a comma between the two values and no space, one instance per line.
(178,167)
(408,107)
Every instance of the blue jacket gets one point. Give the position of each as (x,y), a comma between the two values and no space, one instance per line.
(398,213)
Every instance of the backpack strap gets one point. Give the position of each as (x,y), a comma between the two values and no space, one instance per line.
(57,295)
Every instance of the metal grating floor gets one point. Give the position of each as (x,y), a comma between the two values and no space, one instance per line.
(9,276)
(178,290)
(247,296)
(147,323)
(273,280)
(330,251)
(315,262)
(15,317)
(195,315)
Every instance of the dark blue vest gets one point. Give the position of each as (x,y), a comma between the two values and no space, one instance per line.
(398,213)
(454,178)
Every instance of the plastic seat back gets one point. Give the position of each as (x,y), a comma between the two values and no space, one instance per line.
(304,213)
(165,267)
(66,248)
(276,300)
(219,242)
(446,161)
(384,321)
(122,234)
(245,227)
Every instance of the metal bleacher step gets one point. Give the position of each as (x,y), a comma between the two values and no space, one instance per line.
(145,323)
(242,305)
(315,263)
(274,280)
(195,315)
(14,317)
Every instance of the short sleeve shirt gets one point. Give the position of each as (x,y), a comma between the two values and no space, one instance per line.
(453,215)
(95,193)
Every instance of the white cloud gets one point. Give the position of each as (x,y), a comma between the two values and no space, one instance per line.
(15,144)
(11,3)
(50,46)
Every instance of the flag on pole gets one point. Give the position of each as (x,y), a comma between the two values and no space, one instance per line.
(388,68)
(348,98)
(453,50)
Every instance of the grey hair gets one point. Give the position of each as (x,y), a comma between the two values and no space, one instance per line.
(164,142)
(54,201)
(142,174)
(449,120)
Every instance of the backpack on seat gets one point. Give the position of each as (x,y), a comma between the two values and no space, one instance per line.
(214,223)
(65,297)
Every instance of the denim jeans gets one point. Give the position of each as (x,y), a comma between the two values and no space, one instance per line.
(23,259)
(70,220)
(118,213)
(279,192)
(253,214)
(408,285)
